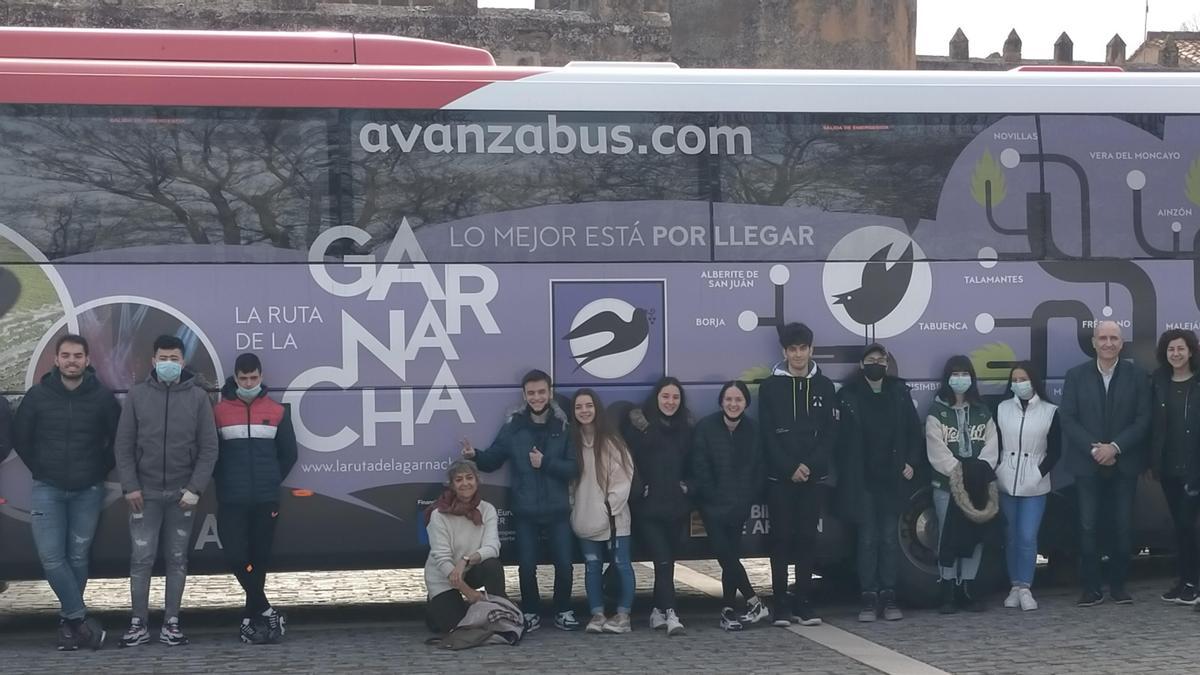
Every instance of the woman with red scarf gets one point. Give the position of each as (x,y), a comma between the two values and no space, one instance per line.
(463,549)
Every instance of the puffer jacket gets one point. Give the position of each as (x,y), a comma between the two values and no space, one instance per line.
(534,492)
(725,468)
(1030,445)
(167,439)
(257,447)
(659,448)
(798,421)
(65,436)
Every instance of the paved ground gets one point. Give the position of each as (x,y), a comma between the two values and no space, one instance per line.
(370,622)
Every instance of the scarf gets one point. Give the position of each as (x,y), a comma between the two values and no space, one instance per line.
(449,504)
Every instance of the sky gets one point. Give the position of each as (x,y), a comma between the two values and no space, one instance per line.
(1090,23)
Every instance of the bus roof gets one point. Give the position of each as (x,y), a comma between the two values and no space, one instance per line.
(234,46)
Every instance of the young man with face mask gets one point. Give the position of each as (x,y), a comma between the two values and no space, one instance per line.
(533,442)
(880,445)
(166,448)
(797,412)
(257,451)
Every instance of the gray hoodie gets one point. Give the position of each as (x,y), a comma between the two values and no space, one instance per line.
(167,439)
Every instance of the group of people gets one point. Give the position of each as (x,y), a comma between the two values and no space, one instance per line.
(577,476)
(166,441)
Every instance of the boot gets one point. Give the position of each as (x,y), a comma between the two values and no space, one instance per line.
(969,597)
(947,588)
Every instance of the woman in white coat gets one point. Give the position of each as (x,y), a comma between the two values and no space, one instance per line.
(1030,445)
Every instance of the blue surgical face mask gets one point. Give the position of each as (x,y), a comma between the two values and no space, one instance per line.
(959,384)
(167,371)
(1023,390)
(249,394)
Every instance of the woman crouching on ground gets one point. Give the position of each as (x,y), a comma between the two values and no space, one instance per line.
(464,546)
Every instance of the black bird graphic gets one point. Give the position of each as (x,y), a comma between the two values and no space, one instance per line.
(881,291)
(625,334)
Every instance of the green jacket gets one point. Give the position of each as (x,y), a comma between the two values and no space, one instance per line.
(944,447)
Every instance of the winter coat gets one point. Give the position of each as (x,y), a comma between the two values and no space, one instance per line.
(1030,442)
(534,492)
(908,446)
(600,508)
(971,514)
(797,417)
(725,468)
(1160,386)
(257,447)
(659,452)
(944,447)
(65,436)
(167,438)
(1090,415)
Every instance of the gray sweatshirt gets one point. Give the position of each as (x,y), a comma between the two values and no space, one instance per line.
(167,439)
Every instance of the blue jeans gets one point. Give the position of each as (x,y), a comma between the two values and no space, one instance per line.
(964,569)
(878,542)
(557,530)
(1108,495)
(1023,516)
(593,580)
(64,524)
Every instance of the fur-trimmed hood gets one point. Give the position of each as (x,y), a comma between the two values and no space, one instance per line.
(556,412)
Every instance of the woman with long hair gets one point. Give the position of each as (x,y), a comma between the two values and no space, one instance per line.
(600,512)
(1175,449)
(726,477)
(658,435)
(464,549)
(1030,445)
(959,430)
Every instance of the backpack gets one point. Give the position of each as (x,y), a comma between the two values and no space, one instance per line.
(491,621)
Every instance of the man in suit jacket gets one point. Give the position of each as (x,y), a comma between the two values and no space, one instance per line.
(1105,415)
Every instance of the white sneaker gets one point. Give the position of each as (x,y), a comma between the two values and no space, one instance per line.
(1014,598)
(1028,604)
(674,625)
(657,619)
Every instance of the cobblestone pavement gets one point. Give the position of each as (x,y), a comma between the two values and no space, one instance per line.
(370,622)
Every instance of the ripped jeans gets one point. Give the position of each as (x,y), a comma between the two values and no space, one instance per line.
(594,553)
(161,521)
(64,525)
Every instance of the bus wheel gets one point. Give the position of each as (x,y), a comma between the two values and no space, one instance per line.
(918,550)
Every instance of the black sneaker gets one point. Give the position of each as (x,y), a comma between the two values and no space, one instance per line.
(567,621)
(729,620)
(171,635)
(136,635)
(1187,595)
(1171,595)
(66,636)
(253,634)
(89,633)
(1120,597)
(532,622)
(804,614)
(276,622)
(869,607)
(781,614)
(1090,599)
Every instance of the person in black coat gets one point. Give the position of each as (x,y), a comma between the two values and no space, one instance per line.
(725,480)
(1175,450)
(880,444)
(658,435)
(1105,415)
(64,432)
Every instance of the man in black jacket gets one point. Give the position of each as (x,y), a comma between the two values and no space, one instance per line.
(798,417)
(64,433)
(1105,415)
(881,443)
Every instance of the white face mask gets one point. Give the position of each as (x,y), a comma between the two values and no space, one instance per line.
(1023,390)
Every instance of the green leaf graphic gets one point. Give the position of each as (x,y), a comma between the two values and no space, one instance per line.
(996,351)
(988,171)
(1193,182)
(753,373)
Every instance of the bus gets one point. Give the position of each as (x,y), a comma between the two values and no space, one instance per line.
(401,228)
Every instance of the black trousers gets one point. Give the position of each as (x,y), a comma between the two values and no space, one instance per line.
(447,608)
(247,534)
(795,510)
(725,540)
(660,540)
(1184,510)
